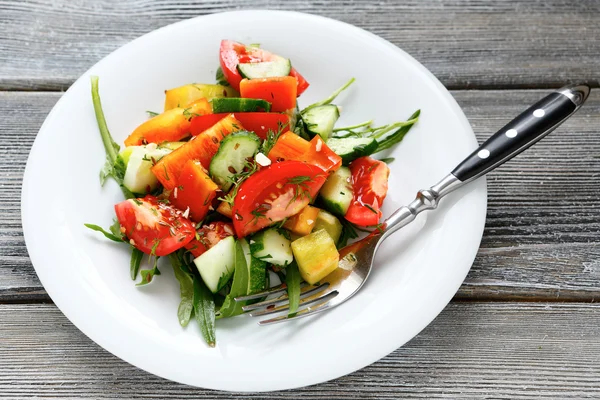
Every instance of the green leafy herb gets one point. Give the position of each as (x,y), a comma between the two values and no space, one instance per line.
(239,286)
(271,139)
(108,235)
(220,76)
(329,99)
(397,136)
(371,209)
(152,113)
(134,264)
(114,166)
(204,309)
(186,289)
(348,233)
(148,274)
(388,160)
(292,280)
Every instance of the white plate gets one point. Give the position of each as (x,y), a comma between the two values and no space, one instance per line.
(419,269)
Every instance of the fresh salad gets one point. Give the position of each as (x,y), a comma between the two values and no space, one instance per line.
(242,189)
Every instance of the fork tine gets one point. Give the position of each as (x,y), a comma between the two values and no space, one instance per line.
(284,300)
(300,314)
(274,290)
(302,305)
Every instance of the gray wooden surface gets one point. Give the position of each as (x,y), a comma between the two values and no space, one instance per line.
(522,326)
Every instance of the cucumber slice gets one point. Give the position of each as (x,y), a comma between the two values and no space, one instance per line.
(330,223)
(217,264)
(351,148)
(231,157)
(257,270)
(267,69)
(237,104)
(321,119)
(272,247)
(139,161)
(336,194)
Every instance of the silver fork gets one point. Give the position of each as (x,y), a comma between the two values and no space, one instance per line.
(356,260)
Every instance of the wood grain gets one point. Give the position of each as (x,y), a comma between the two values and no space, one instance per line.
(542,231)
(471,351)
(466,43)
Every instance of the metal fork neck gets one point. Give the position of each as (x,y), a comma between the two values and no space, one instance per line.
(427,199)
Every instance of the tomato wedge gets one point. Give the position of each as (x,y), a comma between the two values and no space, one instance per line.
(274,193)
(208,236)
(290,146)
(258,122)
(152,226)
(233,53)
(370,184)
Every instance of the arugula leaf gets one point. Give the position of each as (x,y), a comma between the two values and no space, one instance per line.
(220,76)
(108,235)
(134,264)
(148,274)
(239,286)
(204,309)
(292,280)
(331,98)
(114,166)
(348,233)
(397,136)
(186,290)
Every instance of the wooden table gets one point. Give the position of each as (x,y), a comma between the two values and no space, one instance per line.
(523,325)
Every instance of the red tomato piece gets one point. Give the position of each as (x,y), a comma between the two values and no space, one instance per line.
(233,53)
(152,226)
(275,193)
(279,91)
(195,190)
(370,185)
(208,236)
(257,122)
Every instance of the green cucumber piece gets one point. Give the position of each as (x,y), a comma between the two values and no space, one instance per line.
(271,246)
(330,223)
(139,161)
(321,119)
(279,66)
(217,264)
(257,270)
(232,156)
(351,148)
(336,194)
(238,104)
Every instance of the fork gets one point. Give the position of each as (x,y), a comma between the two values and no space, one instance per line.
(356,259)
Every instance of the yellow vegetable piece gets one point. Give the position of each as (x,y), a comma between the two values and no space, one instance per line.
(316,256)
(187,94)
(303,222)
(330,223)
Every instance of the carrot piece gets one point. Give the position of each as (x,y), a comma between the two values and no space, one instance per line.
(279,91)
(202,148)
(170,126)
(195,190)
(302,223)
(289,146)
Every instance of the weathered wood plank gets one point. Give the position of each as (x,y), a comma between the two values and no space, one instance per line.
(471,351)
(544,207)
(466,43)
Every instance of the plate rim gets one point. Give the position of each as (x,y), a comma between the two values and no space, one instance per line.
(178,25)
